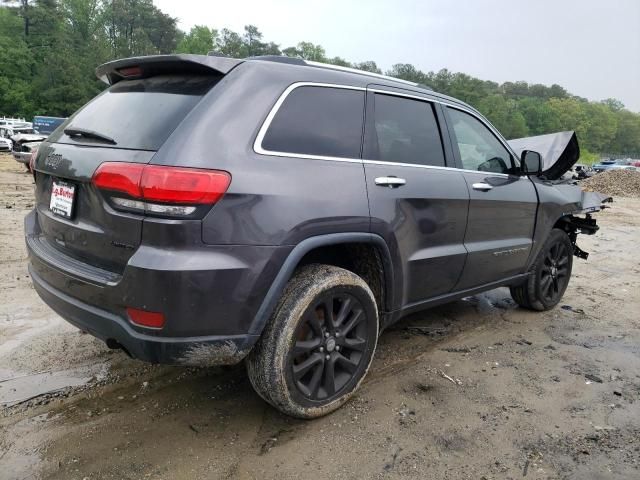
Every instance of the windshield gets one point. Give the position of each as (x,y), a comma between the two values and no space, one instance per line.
(138,114)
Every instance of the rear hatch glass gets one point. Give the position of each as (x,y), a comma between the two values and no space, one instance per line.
(139,116)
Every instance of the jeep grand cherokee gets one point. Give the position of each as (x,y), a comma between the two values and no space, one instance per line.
(206,210)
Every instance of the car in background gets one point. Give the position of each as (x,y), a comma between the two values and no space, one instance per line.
(13,122)
(5,144)
(608,164)
(24,141)
(9,131)
(26,151)
(624,167)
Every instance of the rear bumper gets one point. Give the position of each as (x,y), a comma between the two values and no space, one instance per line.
(116,331)
(209,296)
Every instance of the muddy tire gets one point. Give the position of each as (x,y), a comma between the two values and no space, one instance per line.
(549,276)
(318,345)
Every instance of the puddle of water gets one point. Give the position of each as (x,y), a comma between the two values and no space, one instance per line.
(16,388)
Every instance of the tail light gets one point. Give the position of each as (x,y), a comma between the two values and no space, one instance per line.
(145,318)
(159,189)
(32,160)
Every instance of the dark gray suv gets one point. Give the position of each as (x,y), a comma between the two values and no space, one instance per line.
(205,210)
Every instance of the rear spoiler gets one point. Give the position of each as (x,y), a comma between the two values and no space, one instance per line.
(142,67)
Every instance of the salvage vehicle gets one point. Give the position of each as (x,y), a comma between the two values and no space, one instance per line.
(27,149)
(25,141)
(205,210)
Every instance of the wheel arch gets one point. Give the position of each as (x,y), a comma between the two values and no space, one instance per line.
(307,252)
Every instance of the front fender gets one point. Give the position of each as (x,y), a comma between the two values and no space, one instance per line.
(558,201)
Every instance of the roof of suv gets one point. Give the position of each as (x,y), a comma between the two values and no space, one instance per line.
(117,70)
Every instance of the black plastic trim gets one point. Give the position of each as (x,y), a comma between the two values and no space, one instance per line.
(286,271)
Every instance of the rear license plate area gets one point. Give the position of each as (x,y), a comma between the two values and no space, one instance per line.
(62,198)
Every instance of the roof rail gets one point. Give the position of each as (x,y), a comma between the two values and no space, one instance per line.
(279,59)
(361,72)
(300,61)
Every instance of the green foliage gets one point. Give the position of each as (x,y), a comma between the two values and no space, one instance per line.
(309,51)
(199,40)
(587,157)
(504,115)
(49,50)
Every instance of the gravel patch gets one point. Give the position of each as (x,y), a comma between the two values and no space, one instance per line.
(622,183)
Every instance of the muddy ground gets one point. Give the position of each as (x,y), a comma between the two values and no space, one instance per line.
(551,395)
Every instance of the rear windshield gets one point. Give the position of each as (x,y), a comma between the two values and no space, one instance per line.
(138,114)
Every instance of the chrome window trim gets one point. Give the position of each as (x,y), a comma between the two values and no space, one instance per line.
(257,144)
(457,107)
(435,167)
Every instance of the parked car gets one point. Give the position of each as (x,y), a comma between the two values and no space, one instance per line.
(26,150)
(285,212)
(10,131)
(5,144)
(608,165)
(25,140)
(13,122)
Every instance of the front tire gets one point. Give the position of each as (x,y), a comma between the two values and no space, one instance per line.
(319,343)
(549,276)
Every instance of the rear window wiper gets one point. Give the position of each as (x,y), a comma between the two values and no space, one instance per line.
(83,132)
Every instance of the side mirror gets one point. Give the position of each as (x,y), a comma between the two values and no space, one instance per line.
(531,162)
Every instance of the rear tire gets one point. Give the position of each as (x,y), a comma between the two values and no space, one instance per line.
(318,345)
(549,276)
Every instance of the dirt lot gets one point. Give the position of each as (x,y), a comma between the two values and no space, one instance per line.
(553,395)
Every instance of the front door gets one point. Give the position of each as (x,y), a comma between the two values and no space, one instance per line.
(502,206)
(417,204)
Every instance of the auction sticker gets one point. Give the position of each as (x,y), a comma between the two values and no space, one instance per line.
(62,195)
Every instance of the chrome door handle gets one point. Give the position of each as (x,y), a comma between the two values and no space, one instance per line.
(391,182)
(483,187)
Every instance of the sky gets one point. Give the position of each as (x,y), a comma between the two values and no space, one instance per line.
(590,47)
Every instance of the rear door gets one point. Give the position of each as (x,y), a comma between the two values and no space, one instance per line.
(418,205)
(502,207)
(128,122)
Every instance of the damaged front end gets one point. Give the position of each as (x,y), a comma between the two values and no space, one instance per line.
(574,209)
(573,224)
(562,200)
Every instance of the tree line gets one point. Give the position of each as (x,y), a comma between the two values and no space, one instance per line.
(49,50)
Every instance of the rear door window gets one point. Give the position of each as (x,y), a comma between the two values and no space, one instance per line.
(139,114)
(319,121)
(406,131)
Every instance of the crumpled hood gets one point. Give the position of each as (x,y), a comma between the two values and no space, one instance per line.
(28,137)
(560,151)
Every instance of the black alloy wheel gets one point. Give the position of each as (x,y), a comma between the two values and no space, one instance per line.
(554,274)
(329,346)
